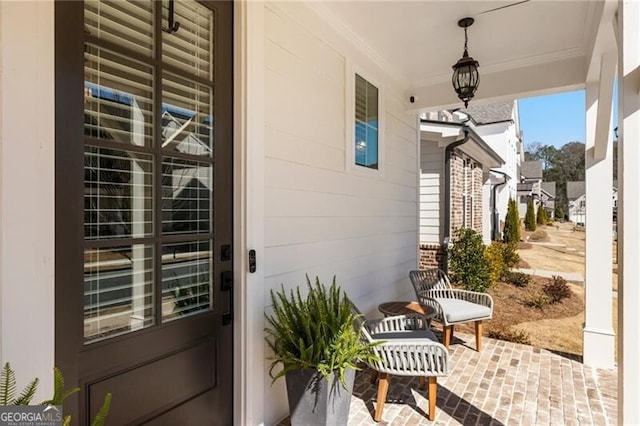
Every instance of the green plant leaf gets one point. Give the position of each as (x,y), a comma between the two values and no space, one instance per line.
(27,394)
(7,385)
(101,416)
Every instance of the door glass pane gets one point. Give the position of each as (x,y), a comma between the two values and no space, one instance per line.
(117,98)
(128,24)
(186,116)
(118,291)
(118,192)
(186,196)
(186,279)
(190,48)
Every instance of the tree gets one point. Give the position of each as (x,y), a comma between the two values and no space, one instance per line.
(530,217)
(511,232)
(559,166)
(467,262)
(541,217)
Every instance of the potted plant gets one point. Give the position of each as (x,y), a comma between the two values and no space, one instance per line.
(316,340)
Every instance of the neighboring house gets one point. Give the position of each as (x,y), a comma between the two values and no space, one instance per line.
(548,198)
(453,197)
(577,201)
(499,126)
(530,186)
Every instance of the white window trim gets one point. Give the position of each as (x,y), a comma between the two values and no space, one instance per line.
(350,117)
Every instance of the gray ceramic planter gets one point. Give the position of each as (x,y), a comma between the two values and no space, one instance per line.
(315,401)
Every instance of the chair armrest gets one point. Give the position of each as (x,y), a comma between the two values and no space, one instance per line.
(398,323)
(470,296)
(411,358)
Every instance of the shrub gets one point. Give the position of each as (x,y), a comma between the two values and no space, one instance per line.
(510,335)
(538,235)
(536,299)
(467,262)
(511,233)
(541,217)
(519,279)
(493,254)
(557,289)
(530,217)
(501,258)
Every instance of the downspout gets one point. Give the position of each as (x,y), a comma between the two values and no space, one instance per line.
(495,219)
(447,196)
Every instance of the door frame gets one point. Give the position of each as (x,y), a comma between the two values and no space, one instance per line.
(249,224)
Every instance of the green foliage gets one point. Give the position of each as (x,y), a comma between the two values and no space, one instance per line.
(542,218)
(539,235)
(530,217)
(318,331)
(557,289)
(59,392)
(501,258)
(467,262)
(101,416)
(493,255)
(511,232)
(8,390)
(510,335)
(536,299)
(518,279)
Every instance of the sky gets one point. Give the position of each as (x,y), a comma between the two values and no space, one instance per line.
(555,119)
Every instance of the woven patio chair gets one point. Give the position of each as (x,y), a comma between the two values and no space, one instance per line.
(407,347)
(453,306)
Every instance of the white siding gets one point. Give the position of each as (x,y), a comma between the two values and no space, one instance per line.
(321,216)
(431,178)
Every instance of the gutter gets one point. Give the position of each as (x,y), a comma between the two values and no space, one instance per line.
(447,195)
(495,220)
(476,137)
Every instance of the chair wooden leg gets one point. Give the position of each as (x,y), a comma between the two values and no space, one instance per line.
(432,396)
(374,376)
(383,387)
(421,382)
(447,331)
(478,335)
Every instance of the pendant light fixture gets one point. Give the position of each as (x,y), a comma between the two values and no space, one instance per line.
(465,72)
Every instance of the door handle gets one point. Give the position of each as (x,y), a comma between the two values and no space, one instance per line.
(226,286)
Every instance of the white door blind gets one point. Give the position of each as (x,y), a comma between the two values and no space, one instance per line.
(126,23)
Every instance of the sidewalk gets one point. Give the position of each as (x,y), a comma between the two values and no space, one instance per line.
(569,276)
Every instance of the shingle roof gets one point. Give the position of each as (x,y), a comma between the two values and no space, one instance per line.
(550,188)
(531,169)
(490,113)
(575,189)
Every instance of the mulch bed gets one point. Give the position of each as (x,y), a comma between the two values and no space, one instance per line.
(509,306)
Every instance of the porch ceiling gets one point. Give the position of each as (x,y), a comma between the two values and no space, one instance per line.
(532,47)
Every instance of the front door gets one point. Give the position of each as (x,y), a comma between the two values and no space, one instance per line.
(144,209)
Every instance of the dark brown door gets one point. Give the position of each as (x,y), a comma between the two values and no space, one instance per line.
(144,209)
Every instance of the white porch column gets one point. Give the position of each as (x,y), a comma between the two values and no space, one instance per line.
(27,165)
(598,335)
(629,213)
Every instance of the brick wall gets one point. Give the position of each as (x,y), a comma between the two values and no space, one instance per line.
(457,181)
(478,208)
(460,214)
(431,256)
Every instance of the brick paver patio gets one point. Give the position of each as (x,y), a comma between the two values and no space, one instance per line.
(505,384)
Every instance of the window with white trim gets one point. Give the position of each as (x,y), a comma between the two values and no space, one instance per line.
(366,124)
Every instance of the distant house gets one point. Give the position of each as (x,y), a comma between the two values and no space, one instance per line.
(577,201)
(454,182)
(530,186)
(548,198)
(499,125)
